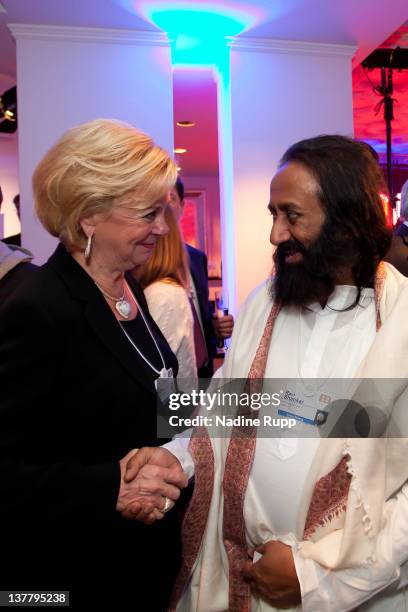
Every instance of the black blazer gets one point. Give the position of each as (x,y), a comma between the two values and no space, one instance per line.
(14,278)
(199,272)
(75,398)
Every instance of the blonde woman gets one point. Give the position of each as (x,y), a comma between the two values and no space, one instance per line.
(79,357)
(166,281)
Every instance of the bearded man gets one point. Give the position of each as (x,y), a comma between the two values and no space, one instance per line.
(327,518)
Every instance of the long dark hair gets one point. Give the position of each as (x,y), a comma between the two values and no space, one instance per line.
(349,178)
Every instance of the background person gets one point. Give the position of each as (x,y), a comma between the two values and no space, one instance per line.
(213,328)
(15,239)
(15,265)
(79,356)
(165,279)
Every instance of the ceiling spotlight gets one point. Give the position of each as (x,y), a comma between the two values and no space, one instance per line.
(178,168)
(180,150)
(186,123)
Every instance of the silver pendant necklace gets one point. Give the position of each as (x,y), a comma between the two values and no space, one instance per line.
(164,372)
(122,306)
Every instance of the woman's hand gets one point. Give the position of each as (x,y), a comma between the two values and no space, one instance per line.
(149,477)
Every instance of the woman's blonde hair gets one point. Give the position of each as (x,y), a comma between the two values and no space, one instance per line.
(90,168)
(169,260)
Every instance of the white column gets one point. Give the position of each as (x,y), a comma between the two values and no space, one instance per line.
(281,92)
(68,75)
(226,174)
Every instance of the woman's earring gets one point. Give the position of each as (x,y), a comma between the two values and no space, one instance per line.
(87,252)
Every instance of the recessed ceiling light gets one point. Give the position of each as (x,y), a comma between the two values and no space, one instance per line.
(185,123)
(178,169)
(180,150)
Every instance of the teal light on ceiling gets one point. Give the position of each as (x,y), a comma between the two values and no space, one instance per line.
(198,30)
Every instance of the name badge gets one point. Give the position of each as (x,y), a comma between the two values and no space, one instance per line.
(164,373)
(305,405)
(165,384)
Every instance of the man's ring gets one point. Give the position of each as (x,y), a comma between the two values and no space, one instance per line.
(167,505)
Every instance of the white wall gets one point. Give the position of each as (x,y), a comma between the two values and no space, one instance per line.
(280,93)
(66,76)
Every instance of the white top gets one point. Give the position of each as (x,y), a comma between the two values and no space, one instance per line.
(311,343)
(170,308)
(316,343)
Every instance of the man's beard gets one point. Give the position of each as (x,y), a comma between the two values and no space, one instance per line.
(314,278)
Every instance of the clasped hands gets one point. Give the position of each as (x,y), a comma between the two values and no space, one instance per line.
(151,480)
(150,475)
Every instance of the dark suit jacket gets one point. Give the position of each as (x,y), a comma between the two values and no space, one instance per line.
(199,272)
(398,253)
(14,278)
(75,398)
(401,230)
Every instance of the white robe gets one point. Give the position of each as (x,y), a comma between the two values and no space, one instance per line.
(373,565)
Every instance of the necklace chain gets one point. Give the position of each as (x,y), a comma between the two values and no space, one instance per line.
(121,301)
(153,338)
(111,297)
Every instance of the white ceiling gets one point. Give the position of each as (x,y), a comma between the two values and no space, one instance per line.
(364,23)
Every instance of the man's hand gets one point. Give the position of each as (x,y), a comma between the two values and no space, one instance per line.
(223,326)
(130,503)
(148,477)
(273,578)
(158,461)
